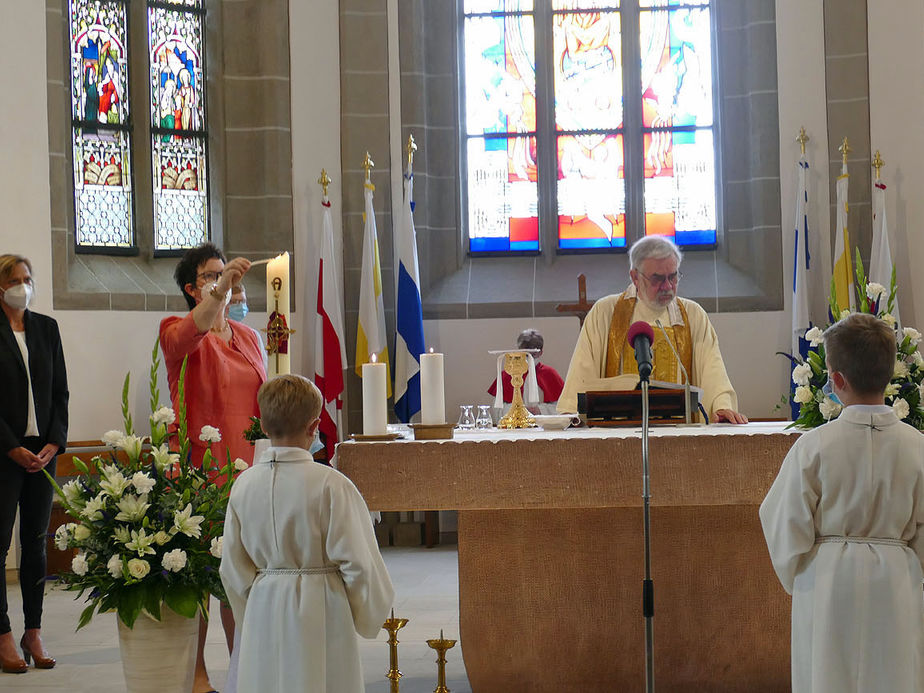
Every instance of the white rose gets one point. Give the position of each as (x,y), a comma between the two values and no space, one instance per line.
(79,564)
(889,319)
(803,394)
(161,538)
(174,561)
(874,291)
(912,334)
(801,374)
(114,566)
(901,408)
(81,532)
(891,390)
(62,538)
(901,369)
(829,408)
(164,416)
(240,465)
(142,482)
(210,434)
(138,567)
(814,336)
(113,438)
(215,548)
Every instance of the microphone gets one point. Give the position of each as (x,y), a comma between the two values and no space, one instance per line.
(640,337)
(683,370)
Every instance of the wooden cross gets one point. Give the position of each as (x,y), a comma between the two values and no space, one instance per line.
(582,306)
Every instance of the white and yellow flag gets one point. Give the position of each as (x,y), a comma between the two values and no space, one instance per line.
(370,330)
(843,267)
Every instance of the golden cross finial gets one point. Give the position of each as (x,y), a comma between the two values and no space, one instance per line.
(324,181)
(368,165)
(411,148)
(878,163)
(844,149)
(802,139)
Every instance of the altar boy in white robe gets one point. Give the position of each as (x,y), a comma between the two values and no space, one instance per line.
(843,523)
(299,560)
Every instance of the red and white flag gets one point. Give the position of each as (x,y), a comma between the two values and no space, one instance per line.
(329,352)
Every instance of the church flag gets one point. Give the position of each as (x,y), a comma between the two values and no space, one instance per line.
(329,352)
(801,320)
(409,336)
(880,265)
(370,328)
(842,280)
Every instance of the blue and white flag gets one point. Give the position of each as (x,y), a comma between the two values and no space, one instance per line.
(801,320)
(409,335)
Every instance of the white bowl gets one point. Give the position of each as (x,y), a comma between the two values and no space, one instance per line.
(553,422)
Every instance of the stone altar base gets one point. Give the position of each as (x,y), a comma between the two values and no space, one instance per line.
(721,618)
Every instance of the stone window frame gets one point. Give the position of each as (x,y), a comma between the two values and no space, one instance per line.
(249,134)
(741,274)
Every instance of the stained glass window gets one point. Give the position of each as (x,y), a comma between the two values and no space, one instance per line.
(101,138)
(178,134)
(580,124)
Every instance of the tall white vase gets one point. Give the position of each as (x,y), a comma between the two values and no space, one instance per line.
(159,656)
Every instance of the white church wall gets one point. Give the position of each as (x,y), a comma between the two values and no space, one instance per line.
(896,104)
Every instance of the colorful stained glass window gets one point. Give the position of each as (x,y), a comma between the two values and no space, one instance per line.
(178,134)
(677,119)
(577,48)
(100,136)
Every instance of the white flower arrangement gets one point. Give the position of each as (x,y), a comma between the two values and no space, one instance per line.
(905,393)
(145,530)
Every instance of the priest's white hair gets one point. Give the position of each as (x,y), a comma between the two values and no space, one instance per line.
(653,247)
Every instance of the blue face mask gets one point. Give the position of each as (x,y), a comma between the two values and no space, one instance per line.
(238,311)
(828,390)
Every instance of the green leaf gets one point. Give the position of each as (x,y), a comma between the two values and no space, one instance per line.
(861,282)
(130,604)
(155,366)
(126,412)
(183,600)
(153,598)
(86,615)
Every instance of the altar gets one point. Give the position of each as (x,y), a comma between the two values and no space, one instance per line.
(551,555)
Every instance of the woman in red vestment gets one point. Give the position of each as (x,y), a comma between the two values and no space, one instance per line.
(224,370)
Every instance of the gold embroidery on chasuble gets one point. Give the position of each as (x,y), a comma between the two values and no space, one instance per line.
(620,358)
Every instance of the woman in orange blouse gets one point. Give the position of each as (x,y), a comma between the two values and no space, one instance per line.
(224,370)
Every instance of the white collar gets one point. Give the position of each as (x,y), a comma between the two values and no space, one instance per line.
(284,454)
(643,312)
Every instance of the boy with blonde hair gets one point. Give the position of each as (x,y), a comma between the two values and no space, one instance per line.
(300,562)
(843,523)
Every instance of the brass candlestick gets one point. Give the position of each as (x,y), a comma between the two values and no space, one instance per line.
(441,646)
(516,366)
(393,625)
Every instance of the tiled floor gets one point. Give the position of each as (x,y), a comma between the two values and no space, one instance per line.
(427,592)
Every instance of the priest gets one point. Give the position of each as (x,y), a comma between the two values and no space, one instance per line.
(602,352)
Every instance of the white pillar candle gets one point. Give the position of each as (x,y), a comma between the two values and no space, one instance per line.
(278,267)
(374,399)
(432,392)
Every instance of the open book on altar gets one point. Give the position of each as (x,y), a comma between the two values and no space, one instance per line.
(617,401)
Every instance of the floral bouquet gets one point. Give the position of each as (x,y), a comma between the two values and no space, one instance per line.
(254,432)
(147,531)
(904,393)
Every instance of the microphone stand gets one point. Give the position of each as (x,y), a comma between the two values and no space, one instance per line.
(687,401)
(647,585)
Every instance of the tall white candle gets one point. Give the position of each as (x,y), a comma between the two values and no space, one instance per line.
(432,390)
(374,398)
(278,267)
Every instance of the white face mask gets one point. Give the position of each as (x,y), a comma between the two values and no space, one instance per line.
(18,297)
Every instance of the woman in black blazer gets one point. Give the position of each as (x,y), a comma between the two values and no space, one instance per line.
(33,430)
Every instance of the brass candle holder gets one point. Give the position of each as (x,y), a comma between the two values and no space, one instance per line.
(393,625)
(516,366)
(441,646)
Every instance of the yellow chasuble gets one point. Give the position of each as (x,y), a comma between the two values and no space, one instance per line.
(620,358)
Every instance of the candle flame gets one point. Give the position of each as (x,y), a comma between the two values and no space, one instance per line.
(372,358)
(431,350)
